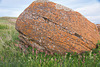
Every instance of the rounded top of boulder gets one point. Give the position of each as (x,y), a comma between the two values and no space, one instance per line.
(58,6)
(42,1)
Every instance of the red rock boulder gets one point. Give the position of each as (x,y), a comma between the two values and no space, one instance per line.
(55,28)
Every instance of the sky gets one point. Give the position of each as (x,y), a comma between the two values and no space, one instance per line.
(88,8)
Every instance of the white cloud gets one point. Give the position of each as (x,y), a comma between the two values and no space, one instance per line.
(91,12)
(11,13)
(15,13)
(4,10)
(94,19)
(89,8)
(93,9)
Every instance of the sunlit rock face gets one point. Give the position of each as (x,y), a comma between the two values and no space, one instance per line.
(52,27)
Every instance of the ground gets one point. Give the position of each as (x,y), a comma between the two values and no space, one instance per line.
(13,56)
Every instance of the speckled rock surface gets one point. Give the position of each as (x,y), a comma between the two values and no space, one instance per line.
(55,28)
(98,26)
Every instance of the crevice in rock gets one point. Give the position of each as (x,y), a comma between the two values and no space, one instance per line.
(21,32)
(68,31)
(77,35)
(27,40)
(47,20)
(30,39)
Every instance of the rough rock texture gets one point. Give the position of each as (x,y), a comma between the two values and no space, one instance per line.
(98,26)
(55,28)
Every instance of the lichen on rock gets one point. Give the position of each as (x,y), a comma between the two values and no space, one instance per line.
(59,6)
(55,28)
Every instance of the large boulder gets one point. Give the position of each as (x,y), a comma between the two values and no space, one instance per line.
(52,27)
(98,26)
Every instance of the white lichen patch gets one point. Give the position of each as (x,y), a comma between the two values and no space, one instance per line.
(58,6)
(42,1)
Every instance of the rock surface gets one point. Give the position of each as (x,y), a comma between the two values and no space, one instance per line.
(52,27)
(98,26)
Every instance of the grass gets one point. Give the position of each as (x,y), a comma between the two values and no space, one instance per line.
(3,26)
(12,56)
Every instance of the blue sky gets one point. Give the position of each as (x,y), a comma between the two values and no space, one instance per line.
(89,8)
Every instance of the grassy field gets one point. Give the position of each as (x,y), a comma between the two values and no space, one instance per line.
(13,56)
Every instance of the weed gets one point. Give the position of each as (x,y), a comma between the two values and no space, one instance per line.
(12,56)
